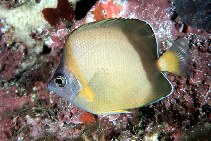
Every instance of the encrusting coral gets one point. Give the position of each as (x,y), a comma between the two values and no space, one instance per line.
(28,17)
(28,111)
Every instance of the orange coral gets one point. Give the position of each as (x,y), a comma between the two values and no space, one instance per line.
(107,10)
(87,118)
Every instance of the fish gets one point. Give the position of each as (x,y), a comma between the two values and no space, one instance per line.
(114,65)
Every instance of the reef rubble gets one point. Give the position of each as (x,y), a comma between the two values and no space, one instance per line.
(28,111)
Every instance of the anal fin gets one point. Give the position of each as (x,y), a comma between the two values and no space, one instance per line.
(115,112)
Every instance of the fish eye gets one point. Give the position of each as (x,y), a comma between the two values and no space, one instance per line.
(60,80)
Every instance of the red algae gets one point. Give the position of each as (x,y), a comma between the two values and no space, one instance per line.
(10,96)
(8,69)
(6,130)
(64,10)
(28,111)
(51,15)
(87,118)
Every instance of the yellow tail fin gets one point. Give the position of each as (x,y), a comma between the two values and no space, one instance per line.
(176,59)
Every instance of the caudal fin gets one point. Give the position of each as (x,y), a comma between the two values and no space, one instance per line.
(176,59)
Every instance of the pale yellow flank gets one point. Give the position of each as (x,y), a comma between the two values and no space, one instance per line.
(108,65)
(71,64)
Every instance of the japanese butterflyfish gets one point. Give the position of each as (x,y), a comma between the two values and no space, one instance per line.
(114,65)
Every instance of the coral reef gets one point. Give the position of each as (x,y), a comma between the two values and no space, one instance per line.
(194,13)
(26,21)
(28,111)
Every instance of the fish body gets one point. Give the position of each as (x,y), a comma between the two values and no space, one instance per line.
(112,66)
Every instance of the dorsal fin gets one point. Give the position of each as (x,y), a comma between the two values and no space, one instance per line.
(139,28)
